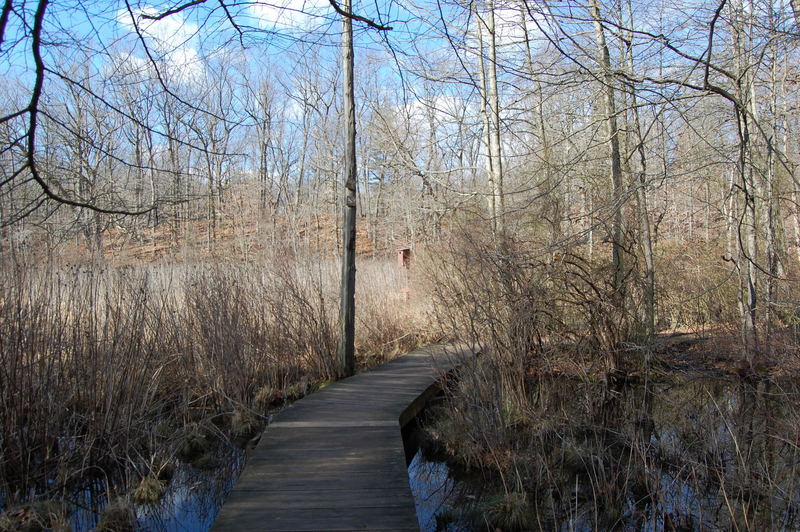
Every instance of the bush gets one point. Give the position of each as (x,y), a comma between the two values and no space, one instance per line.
(92,359)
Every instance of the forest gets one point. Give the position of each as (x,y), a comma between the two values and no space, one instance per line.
(601,196)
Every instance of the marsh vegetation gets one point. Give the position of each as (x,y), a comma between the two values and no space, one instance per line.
(688,453)
(115,377)
(579,182)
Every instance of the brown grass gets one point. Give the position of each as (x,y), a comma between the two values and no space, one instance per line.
(105,368)
(536,316)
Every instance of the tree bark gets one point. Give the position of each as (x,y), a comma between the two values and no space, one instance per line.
(618,191)
(490,111)
(645,233)
(748,229)
(487,127)
(495,150)
(346,346)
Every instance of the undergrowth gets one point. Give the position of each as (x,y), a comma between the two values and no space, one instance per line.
(538,315)
(119,371)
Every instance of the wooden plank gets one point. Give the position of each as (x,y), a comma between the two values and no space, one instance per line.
(335,460)
(324,498)
(332,424)
(323,481)
(250,516)
(354,457)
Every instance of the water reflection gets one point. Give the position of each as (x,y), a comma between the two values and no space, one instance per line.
(194,498)
(191,500)
(701,454)
(436,494)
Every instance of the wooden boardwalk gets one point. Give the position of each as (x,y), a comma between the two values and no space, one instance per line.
(335,459)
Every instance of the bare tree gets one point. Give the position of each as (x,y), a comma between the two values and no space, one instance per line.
(347,320)
(617,235)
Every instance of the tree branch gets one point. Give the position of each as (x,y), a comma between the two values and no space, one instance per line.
(173,11)
(33,116)
(4,20)
(154,64)
(708,51)
(233,22)
(353,16)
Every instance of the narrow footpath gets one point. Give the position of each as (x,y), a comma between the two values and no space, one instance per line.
(335,459)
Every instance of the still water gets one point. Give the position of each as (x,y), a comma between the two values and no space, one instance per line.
(191,500)
(685,454)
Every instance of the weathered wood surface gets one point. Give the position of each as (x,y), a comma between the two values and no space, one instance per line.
(335,459)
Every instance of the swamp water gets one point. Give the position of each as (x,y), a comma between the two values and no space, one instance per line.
(688,454)
(191,500)
(701,454)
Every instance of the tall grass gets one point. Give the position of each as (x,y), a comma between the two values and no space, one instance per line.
(539,315)
(101,369)
(698,454)
(525,308)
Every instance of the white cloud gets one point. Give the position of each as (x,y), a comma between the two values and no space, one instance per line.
(296,14)
(508,25)
(295,109)
(444,107)
(509,29)
(172,39)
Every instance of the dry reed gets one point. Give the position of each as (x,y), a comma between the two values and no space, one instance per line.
(113,369)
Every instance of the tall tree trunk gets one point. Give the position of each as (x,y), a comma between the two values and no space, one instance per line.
(748,249)
(796,223)
(645,233)
(487,127)
(748,230)
(346,346)
(618,187)
(776,251)
(495,150)
(303,153)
